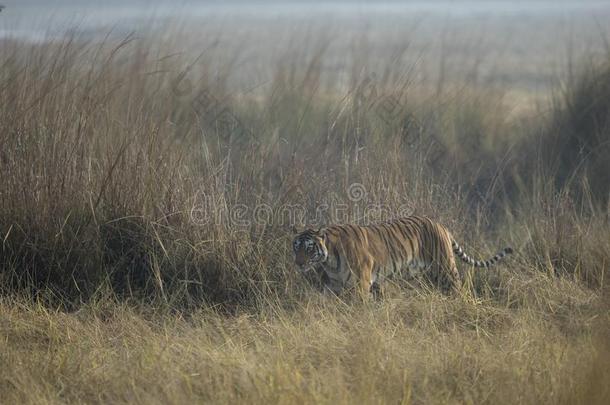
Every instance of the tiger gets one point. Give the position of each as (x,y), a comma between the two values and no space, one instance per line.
(362,256)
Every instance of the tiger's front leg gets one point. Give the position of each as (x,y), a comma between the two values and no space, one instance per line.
(332,286)
(365,278)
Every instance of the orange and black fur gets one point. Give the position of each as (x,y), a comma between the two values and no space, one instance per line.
(361,256)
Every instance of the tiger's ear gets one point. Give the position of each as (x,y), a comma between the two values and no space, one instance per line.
(322,233)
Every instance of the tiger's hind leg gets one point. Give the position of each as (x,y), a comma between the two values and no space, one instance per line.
(444,272)
(376,290)
(449,278)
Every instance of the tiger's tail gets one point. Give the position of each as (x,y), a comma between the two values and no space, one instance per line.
(480,263)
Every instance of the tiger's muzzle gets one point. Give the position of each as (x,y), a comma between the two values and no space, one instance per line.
(306,262)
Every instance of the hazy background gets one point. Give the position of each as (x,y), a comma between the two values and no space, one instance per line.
(518,47)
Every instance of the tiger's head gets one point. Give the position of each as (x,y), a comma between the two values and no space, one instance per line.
(309,249)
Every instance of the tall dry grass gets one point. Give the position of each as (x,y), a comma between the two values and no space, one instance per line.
(134,267)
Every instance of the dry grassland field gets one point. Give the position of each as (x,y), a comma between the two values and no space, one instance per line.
(154,158)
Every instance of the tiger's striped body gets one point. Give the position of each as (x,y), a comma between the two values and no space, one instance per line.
(361,256)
